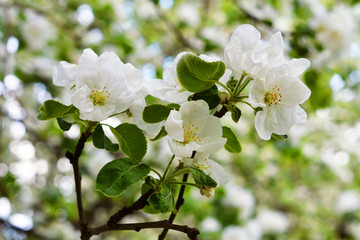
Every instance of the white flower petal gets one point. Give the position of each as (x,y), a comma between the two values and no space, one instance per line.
(298,66)
(257,93)
(182,150)
(80,99)
(211,145)
(285,119)
(88,57)
(216,172)
(248,35)
(301,115)
(263,123)
(173,126)
(64,74)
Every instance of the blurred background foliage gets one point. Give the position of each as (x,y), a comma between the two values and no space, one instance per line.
(305,187)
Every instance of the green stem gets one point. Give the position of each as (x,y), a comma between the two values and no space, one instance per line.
(239,82)
(185,183)
(224,86)
(239,98)
(178,173)
(243,86)
(248,104)
(167,168)
(157,173)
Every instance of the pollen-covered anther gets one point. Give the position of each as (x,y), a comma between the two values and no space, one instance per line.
(273,97)
(99,96)
(190,133)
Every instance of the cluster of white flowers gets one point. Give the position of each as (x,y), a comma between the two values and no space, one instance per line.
(276,88)
(103,86)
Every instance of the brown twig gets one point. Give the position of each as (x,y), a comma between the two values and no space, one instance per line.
(74,160)
(192,233)
(139,204)
(221,112)
(179,202)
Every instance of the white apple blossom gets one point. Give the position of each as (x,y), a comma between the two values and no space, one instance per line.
(272,221)
(211,168)
(246,52)
(37,30)
(239,197)
(102,85)
(347,202)
(279,95)
(169,89)
(192,128)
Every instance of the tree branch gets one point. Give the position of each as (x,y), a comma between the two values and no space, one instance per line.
(191,232)
(74,160)
(179,202)
(139,204)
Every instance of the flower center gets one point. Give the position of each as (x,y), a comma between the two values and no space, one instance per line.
(98,97)
(204,165)
(273,97)
(178,86)
(190,133)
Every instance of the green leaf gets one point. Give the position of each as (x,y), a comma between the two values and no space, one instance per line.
(201,178)
(279,137)
(197,75)
(119,174)
(156,113)
(210,96)
(53,109)
(150,183)
(164,200)
(161,134)
(232,144)
(131,139)
(174,106)
(100,140)
(235,112)
(64,125)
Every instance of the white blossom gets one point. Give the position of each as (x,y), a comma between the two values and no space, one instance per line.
(37,31)
(272,221)
(247,52)
(211,168)
(169,89)
(279,95)
(347,202)
(102,85)
(235,233)
(192,128)
(240,197)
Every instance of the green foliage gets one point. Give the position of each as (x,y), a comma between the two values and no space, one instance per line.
(201,178)
(119,174)
(64,125)
(156,113)
(150,183)
(210,96)
(197,75)
(131,139)
(53,109)
(235,112)
(164,199)
(232,144)
(100,140)
(161,134)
